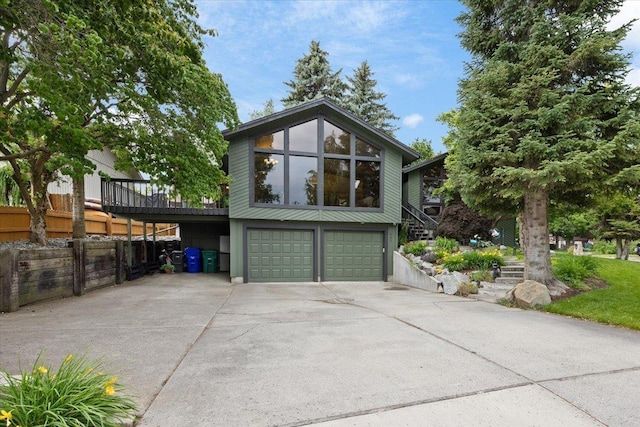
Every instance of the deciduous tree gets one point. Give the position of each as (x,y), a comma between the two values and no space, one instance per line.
(76,76)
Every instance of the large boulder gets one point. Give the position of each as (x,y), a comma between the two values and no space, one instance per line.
(531,294)
(450,281)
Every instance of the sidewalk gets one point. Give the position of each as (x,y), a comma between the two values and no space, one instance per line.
(198,351)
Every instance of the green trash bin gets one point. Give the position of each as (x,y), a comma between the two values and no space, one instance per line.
(209,261)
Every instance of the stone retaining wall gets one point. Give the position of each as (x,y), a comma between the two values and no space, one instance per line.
(32,275)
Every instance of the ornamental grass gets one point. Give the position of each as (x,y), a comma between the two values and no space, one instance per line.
(78,394)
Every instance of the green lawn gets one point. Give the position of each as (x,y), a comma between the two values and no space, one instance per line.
(618,304)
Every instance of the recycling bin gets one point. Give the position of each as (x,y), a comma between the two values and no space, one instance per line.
(194,260)
(209,261)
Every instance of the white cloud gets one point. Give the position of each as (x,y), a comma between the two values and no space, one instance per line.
(633,78)
(413,120)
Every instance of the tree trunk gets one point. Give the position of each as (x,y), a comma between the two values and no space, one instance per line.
(618,247)
(38,210)
(535,230)
(79,228)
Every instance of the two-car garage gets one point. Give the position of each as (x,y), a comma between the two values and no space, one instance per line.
(285,255)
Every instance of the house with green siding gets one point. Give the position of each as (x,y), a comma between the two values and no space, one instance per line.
(316,195)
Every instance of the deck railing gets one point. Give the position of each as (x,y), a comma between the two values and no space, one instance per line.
(142,196)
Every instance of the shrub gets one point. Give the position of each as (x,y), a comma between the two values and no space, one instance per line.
(481,276)
(464,289)
(445,244)
(574,269)
(604,247)
(482,260)
(415,248)
(79,394)
(453,262)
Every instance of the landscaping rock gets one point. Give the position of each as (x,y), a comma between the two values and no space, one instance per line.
(450,281)
(530,294)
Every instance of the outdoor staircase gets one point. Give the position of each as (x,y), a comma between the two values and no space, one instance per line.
(512,273)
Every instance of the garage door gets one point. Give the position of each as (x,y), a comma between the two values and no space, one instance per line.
(276,255)
(353,255)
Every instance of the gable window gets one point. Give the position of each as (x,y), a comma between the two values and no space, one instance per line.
(316,163)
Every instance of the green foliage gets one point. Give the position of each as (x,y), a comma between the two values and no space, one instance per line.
(9,191)
(445,244)
(79,394)
(128,76)
(471,260)
(365,102)
(313,79)
(267,109)
(453,261)
(424,148)
(403,235)
(415,248)
(572,270)
(545,113)
(570,225)
(481,276)
(617,304)
(604,247)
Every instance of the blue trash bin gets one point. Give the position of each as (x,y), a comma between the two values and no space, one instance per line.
(194,260)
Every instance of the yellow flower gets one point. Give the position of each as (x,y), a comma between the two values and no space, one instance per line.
(112,381)
(90,370)
(42,370)
(68,358)
(109,390)
(4,415)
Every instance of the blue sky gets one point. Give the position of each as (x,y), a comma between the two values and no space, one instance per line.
(411,46)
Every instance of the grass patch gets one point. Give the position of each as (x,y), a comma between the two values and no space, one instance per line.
(618,304)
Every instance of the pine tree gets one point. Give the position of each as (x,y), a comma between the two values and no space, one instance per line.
(545,113)
(363,100)
(313,79)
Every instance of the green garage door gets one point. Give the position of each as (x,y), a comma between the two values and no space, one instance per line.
(353,255)
(276,255)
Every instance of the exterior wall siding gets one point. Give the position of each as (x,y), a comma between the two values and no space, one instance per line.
(415,187)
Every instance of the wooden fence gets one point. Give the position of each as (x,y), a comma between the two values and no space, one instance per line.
(14,225)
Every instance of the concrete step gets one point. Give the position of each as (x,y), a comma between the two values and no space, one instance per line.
(509,280)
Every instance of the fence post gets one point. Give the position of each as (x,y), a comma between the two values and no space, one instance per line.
(9,290)
(119,261)
(79,265)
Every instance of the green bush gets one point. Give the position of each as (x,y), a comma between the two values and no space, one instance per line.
(481,276)
(415,248)
(79,394)
(574,269)
(445,244)
(453,262)
(603,247)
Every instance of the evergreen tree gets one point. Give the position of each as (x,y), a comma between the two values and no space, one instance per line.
(363,100)
(313,79)
(544,112)
(267,110)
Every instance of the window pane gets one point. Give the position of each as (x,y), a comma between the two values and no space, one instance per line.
(269,180)
(304,137)
(367,184)
(303,180)
(274,141)
(336,182)
(366,149)
(336,140)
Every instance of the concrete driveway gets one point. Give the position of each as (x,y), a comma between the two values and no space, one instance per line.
(196,350)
